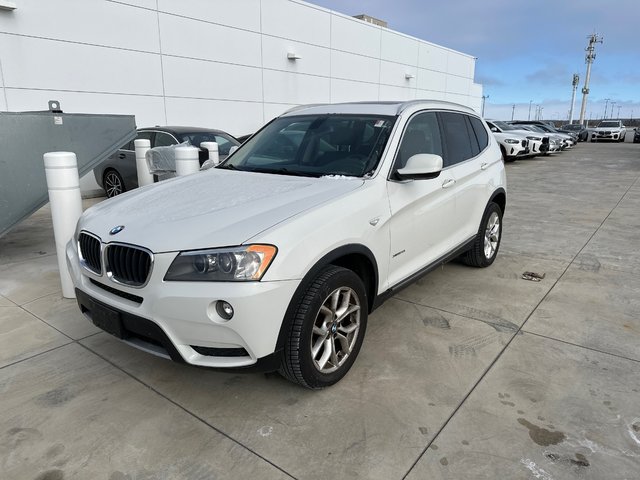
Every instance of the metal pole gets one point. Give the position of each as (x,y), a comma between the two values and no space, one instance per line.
(606,103)
(187,160)
(574,88)
(63,182)
(611,113)
(142,145)
(529,116)
(619,106)
(513,111)
(214,154)
(590,57)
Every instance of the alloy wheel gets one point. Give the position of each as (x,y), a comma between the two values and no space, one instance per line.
(335,330)
(491,235)
(113,184)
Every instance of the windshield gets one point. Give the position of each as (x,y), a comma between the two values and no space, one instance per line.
(504,125)
(315,145)
(609,124)
(572,127)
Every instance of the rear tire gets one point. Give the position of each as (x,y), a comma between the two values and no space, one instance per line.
(327,329)
(487,243)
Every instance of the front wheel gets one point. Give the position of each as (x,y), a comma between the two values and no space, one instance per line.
(327,329)
(113,183)
(487,242)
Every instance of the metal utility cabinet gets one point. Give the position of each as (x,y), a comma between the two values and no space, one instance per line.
(26,136)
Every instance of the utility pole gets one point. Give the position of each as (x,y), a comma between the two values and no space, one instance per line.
(606,102)
(619,111)
(574,84)
(529,116)
(589,58)
(484,97)
(513,111)
(611,114)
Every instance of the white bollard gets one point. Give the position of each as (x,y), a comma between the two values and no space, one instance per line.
(141,146)
(187,160)
(214,156)
(63,182)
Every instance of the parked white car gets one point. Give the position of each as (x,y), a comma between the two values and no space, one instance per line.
(612,130)
(274,259)
(538,144)
(557,142)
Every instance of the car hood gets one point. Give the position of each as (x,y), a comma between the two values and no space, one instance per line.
(213,208)
(528,133)
(607,129)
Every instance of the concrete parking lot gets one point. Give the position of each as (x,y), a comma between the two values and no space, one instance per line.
(470,373)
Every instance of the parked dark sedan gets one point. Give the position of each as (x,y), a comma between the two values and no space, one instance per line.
(580,130)
(118,173)
(636,135)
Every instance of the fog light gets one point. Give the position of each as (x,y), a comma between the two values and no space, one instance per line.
(224,309)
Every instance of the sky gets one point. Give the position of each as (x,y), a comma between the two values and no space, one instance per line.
(528,51)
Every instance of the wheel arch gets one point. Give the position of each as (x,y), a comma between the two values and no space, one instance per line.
(499,197)
(355,257)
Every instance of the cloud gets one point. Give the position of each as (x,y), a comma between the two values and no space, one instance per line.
(554,73)
(489,80)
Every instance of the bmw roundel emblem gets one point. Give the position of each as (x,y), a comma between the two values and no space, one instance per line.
(117,229)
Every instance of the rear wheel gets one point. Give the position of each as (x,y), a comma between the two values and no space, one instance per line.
(487,243)
(113,183)
(327,329)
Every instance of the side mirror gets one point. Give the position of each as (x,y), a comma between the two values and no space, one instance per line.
(494,129)
(421,165)
(232,150)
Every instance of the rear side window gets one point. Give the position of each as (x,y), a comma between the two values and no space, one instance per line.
(458,138)
(481,133)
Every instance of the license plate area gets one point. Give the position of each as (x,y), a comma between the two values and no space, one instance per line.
(106,319)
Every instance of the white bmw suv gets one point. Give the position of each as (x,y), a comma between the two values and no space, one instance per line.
(274,259)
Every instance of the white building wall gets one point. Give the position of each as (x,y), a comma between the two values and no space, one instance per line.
(219,64)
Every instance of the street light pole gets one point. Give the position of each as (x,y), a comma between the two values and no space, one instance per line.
(513,111)
(484,97)
(529,116)
(611,114)
(606,102)
(574,87)
(619,106)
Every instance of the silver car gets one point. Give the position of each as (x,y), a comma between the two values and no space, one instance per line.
(118,174)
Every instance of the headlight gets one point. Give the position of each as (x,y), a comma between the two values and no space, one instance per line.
(537,139)
(232,264)
(511,140)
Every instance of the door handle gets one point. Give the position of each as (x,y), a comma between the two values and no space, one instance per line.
(484,166)
(447,183)
(122,155)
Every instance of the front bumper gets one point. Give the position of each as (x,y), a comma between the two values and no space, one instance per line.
(606,135)
(185,313)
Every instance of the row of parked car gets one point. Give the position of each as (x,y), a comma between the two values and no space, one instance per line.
(525,139)
(528,138)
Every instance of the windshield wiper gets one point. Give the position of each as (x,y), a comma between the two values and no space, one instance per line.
(284,171)
(227,166)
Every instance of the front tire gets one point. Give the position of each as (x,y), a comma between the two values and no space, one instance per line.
(487,243)
(327,329)
(113,183)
